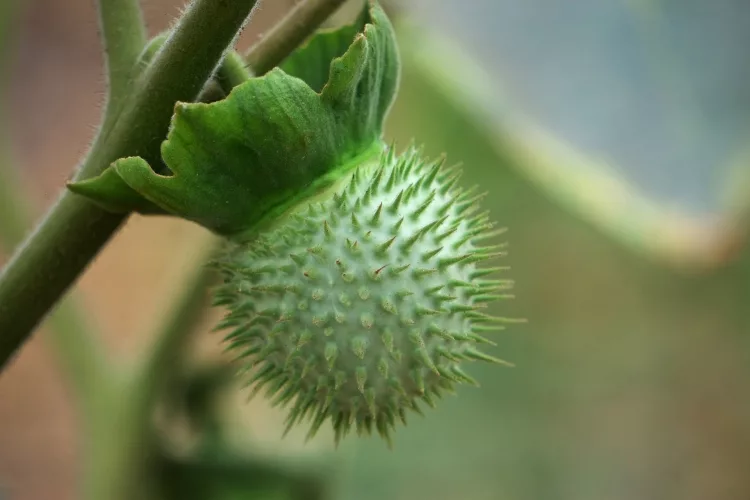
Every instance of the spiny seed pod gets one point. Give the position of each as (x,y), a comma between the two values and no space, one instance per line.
(356,308)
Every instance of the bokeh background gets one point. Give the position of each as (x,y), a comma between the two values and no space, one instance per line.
(610,135)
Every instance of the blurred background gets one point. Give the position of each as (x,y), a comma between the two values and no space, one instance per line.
(611,136)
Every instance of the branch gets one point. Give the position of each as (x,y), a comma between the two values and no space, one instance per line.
(233,71)
(74,229)
(124,37)
(299,24)
(75,344)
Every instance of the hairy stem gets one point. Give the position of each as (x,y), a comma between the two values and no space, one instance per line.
(124,37)
(80,354)
(74,229)
(233,71)
(299,24)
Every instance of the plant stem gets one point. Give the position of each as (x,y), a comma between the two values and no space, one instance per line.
(75,344)
(74,229)
(124,37)
(45,266)
(233,71)
(299,24)
(78,350)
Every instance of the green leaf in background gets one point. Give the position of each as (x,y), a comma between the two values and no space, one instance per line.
(632,377)
(274,140)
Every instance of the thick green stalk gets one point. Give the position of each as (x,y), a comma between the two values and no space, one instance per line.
(233,71)
(124,37)
(78,351)
(83,358)
(299,24)
(74,229)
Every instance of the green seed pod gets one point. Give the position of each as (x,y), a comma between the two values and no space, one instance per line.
(357,307)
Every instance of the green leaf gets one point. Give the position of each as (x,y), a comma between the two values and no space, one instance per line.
(242,161)
(112,194)
(311,61)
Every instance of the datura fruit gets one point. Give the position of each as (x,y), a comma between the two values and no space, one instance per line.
(357,307)
(355,278)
